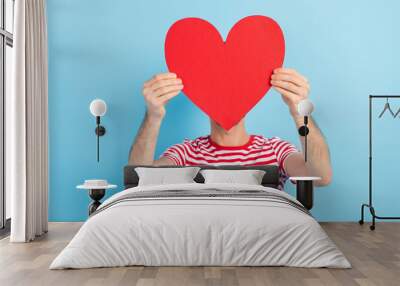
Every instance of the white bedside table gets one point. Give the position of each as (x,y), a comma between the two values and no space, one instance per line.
(97,190)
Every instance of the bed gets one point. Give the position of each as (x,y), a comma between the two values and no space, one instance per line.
(198,224)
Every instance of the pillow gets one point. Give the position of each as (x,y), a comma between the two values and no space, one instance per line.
(248,177)
(166,176)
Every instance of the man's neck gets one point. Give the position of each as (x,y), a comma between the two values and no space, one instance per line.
(236,136)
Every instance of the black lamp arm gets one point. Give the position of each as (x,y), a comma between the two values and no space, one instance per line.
(100,131)
(303,131)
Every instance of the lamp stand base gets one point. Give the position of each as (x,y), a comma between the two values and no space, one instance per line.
(96,195)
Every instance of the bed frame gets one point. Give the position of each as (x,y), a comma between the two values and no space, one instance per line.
(270,179)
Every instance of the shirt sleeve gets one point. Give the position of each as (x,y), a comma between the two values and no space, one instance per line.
(282,150)
(176,153)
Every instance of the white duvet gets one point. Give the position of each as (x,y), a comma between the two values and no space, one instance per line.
(192,231)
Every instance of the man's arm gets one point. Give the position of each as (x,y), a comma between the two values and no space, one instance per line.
(143,148)
(157,92)
(294,87)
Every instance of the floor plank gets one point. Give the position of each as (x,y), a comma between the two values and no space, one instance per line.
(375,257)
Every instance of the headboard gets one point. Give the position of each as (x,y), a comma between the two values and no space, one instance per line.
(270,179)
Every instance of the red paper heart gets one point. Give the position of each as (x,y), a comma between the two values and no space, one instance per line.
(225,79)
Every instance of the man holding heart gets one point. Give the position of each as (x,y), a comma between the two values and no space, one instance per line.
(225,79)
(234,146)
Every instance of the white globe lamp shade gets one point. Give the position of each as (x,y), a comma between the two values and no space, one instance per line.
(98,107)
(305,107)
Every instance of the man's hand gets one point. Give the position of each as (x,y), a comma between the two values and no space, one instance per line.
(292,86)
(158,91)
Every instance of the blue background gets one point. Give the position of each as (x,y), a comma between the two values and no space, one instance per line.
(107,49)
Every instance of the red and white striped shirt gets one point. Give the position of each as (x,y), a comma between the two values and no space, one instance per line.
(258,151)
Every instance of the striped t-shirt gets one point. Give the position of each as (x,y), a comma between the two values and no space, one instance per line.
(258,151)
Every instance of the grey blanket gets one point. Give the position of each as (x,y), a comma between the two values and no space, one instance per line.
(211,193)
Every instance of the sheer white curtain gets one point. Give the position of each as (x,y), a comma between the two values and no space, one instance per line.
(26,129)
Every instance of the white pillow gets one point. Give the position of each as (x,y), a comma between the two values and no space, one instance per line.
(165,176)
(247,177)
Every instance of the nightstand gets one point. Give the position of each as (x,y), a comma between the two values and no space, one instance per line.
(305,190)
(97,190)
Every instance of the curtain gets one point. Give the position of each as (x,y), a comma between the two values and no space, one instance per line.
(27,127)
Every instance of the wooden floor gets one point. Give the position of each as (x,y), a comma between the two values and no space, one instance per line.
(375,257)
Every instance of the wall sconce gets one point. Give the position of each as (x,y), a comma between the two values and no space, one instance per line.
(98,108)
(305,107)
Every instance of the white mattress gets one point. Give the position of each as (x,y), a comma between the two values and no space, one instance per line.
(189,231)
